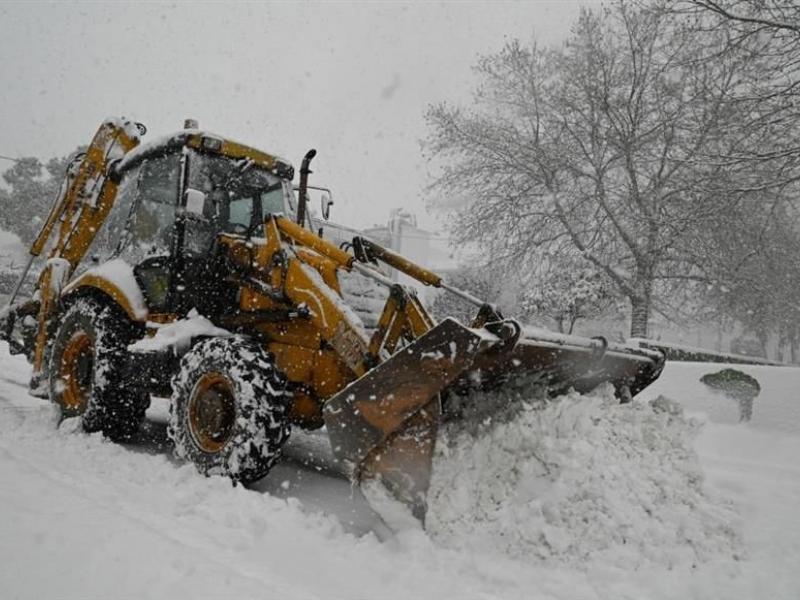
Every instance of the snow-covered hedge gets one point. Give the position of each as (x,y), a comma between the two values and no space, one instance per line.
(691,354)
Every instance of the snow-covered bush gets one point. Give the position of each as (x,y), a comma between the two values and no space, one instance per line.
(566,295)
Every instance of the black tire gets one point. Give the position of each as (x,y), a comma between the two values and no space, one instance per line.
(92,385)
(229,409)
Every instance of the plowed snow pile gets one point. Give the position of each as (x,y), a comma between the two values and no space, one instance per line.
(577,478)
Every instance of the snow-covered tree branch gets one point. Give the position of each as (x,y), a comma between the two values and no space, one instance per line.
(613,147)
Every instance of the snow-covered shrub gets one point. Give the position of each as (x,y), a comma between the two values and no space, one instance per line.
(566,295)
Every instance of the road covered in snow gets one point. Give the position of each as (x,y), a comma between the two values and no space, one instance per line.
(578,499)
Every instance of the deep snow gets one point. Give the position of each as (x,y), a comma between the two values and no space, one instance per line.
(580,479)
(86,518)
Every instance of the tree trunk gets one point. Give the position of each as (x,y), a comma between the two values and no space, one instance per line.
(640,315)
(763,338)
(572,322)
(560,323)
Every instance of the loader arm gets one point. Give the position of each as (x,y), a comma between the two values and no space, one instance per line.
(403,316)
(86,194)
(383,425)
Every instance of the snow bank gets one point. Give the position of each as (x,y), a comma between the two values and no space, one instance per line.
(78,511)
(776,408)
(579,478)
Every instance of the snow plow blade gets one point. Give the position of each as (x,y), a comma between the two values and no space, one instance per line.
(383,426)
(562,362)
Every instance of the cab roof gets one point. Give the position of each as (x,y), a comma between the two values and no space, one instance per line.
(206,142)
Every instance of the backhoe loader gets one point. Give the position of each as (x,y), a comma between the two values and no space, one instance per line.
(187,267)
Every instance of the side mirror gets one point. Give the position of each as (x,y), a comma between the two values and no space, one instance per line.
(326,202)
(195,202)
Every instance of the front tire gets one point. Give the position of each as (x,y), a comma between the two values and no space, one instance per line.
(229,408)
(86,373)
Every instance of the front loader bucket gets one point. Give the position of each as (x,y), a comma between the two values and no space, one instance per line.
(383,426)
(564,361)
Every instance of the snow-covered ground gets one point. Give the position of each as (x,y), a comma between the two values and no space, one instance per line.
(84,518)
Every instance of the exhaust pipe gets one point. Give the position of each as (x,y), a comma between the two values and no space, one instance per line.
(304,173)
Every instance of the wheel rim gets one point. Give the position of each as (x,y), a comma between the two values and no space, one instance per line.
(212,412)
(75,370)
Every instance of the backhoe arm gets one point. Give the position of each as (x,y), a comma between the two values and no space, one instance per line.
(87,193)
(84,201)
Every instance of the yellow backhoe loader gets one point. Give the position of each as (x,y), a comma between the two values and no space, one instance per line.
(187,267)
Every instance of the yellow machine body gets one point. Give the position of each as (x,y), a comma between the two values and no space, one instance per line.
(381,396)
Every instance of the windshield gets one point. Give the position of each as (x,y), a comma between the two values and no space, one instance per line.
(239,194)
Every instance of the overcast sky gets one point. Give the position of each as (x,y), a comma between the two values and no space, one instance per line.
(350,79)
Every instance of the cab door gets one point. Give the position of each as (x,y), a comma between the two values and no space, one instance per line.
(149,240)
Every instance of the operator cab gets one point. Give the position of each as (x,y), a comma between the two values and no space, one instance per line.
(175,198)
(230,196)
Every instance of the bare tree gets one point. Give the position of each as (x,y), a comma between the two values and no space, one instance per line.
(758,278)
(777,17)
(757,267)
(764,37)
(609,147)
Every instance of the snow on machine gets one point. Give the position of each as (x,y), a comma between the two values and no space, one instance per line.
(188,267)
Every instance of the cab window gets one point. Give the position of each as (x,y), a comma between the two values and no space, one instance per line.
(240,211)
(152,218)
(239,194)
(272,201)
(114,233)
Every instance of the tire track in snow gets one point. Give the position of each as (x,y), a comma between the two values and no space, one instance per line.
(306,472)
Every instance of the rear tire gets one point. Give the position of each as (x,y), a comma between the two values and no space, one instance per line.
(229,409)
(87,366)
